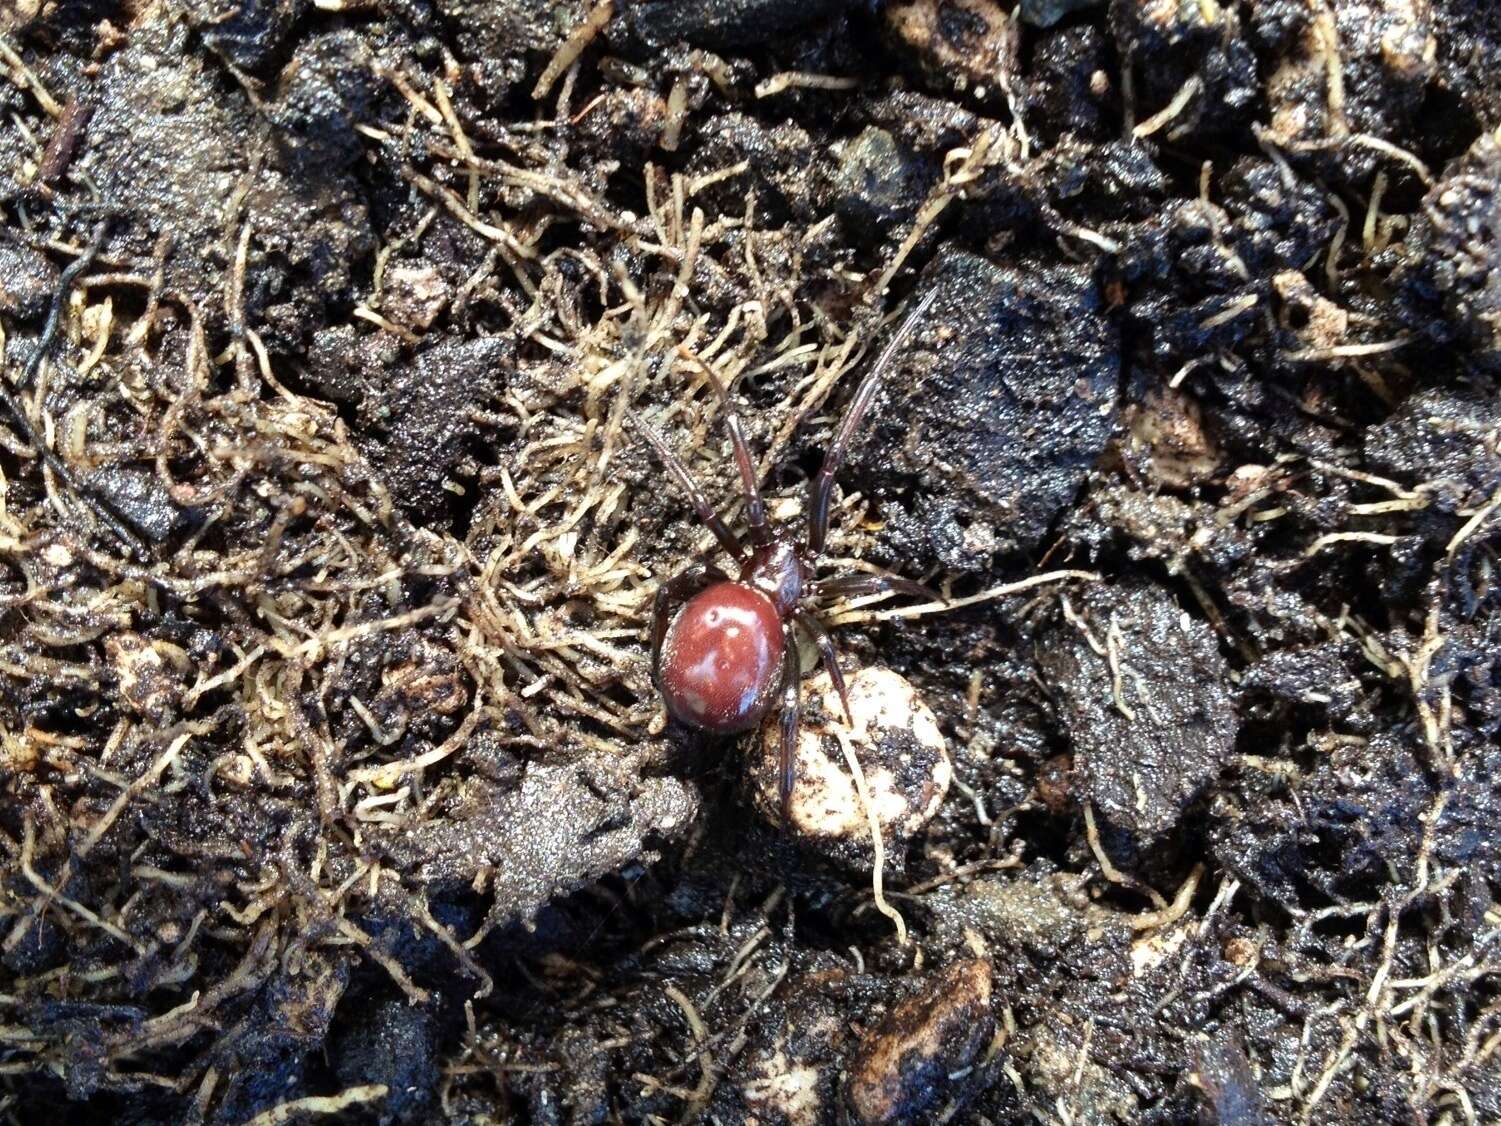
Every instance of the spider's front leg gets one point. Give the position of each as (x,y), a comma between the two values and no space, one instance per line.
(670,595)
(792,706)
(859,585)
(828,653)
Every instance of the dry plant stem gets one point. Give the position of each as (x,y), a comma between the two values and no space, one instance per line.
(29,80)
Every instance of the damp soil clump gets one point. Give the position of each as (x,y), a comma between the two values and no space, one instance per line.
(335,780)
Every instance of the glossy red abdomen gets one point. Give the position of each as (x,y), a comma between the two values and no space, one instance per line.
(721,660)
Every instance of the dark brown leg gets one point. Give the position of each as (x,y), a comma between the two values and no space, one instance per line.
(830,657)
(857,586)
(128,537)
(822,489)
(675,590)
(706,514)
(755,507)
(791,717)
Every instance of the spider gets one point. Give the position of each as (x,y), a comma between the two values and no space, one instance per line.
(720,646)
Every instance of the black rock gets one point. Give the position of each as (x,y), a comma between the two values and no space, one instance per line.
(877,181)
(501,32)
(1006,398)
(1438,439)
(654,24)
(561,828)
(1151,732)
(27,280)
(1281,221)
(1319,675)
(250,34)
(1167,46)
(1228,1083)
(1453,276)
(778,157)
(168,142)
(324,92)
(1045,13)
(34,948)
(1069,90)
(417,428)
(392,1043)
(138,496)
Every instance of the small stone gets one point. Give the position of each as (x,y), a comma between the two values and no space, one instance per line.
(420,419)
(900,749)
(877,180)
(20,752)
(1045,13)
(916,1058)
(139,497)
(1168,428)
(237,771)
(148,685)
(414,296)
(650,25)
(27,281)
(962,50)
(1241,951)
(321,95)
(1000,403)
(248,34)
(1317,322)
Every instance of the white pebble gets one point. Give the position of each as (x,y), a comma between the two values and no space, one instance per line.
(899,747)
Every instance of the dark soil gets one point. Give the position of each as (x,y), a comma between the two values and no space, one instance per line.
(335,781)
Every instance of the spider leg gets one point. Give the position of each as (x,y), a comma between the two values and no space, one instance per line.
(822,488)
(791,717)
(829,654)
(755,507)
(684,584)
(706,514)
(857,586)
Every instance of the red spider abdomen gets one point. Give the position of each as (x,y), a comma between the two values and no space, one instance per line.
(721,660)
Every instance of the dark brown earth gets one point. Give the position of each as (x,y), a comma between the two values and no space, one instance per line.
(334,778)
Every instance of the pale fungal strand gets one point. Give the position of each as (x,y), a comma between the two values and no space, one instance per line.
(320,1104)
(1341,351)
(1324,541)
(1175,910)
(853,614)
(574,45)
(803,80)
(1178,104)
(1473,523)
(877,844)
